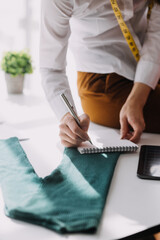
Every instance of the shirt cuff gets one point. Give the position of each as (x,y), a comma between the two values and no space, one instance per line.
(54,84)
(148,73)
(59,107)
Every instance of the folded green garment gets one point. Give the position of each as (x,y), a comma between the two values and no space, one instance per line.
(70,199)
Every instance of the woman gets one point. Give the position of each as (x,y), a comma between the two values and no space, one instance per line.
(115,90)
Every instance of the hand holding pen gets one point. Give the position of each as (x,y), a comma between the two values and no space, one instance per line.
(73,129)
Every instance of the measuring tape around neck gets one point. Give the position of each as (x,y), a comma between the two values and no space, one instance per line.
(151,4)
(125,31)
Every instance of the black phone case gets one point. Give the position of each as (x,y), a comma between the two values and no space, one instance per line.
(149,162)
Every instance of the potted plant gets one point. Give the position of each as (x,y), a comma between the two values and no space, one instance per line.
(15,66)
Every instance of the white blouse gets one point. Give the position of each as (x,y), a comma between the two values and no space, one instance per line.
(90,29)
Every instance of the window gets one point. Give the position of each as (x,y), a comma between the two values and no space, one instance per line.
(19,29)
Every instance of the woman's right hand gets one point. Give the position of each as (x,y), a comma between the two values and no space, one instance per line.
(71,134)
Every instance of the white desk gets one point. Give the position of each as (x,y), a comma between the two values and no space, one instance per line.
(132,204)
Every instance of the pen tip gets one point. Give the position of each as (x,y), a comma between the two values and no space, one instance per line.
(90,141)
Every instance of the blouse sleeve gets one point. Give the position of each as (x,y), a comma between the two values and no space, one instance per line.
(54,35)
(148,67)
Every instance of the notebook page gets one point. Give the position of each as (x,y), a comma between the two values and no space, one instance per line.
(107,140)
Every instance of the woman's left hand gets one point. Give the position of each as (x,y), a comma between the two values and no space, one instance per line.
(131,114)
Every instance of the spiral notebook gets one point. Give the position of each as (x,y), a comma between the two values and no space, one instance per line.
(106,140)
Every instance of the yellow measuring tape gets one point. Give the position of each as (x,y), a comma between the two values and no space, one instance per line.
(126,33)
(151,4)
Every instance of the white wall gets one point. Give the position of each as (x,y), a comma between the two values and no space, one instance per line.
(19,29)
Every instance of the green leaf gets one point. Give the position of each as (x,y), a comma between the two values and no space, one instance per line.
(17,63)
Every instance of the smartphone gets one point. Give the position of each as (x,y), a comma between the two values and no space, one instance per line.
(149,162)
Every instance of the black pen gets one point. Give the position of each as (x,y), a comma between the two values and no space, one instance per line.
(72,112)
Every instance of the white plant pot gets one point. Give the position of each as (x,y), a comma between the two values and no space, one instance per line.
(14,84)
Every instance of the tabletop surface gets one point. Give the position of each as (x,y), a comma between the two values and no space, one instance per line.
(132,204)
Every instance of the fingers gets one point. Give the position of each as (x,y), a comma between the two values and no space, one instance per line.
(136,136)
(84,119)
(75,129)
(69,142)
(131,117)
(138,128)
(124,128)
(71,134)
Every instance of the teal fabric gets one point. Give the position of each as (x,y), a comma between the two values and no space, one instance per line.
(70,199)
